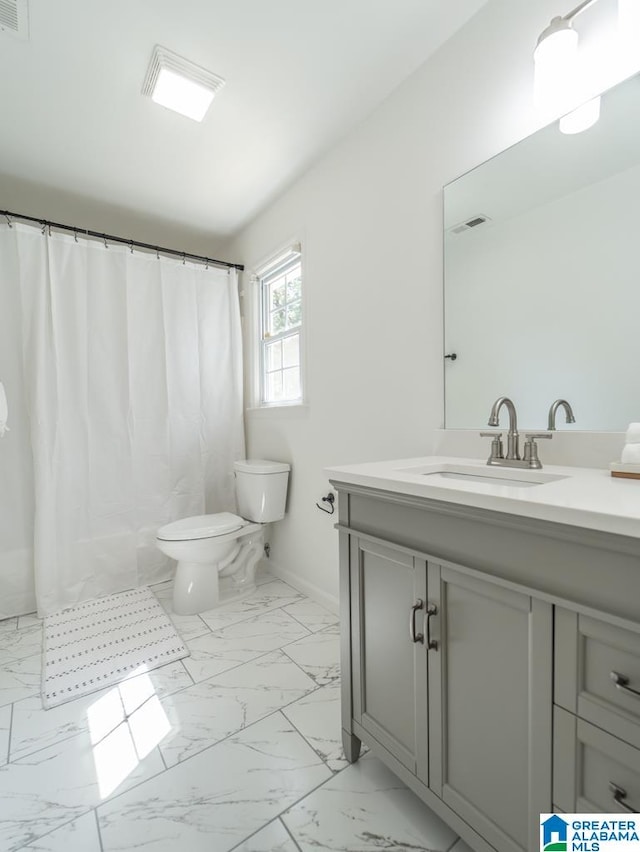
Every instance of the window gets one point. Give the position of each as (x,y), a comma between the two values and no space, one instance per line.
(280,330)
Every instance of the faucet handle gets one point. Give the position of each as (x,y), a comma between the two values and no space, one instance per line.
(531,448)
(497,450)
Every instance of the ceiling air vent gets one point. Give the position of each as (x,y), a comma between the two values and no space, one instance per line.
(14,18)
(473,222)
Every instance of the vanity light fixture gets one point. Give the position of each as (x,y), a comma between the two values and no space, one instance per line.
(180,85)
(557,83)
(555,62)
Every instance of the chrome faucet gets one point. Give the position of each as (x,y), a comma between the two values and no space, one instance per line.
(559,403)
(512,459)
(513,438)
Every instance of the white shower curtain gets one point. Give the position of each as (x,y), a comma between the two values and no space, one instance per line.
(134,389)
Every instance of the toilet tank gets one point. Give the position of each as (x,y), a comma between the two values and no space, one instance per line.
(261,489)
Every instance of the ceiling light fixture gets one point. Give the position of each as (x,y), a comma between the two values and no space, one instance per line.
(180,85)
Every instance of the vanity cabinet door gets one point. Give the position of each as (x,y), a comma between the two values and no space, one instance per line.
(388,595)
(490,684)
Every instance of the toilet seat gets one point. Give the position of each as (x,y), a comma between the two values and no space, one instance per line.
(201,526)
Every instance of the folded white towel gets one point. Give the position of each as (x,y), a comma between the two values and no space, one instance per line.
(631,454)
(4,411)
(633,434)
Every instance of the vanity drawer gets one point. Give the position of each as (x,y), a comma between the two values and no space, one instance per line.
(597,673)
(593,771)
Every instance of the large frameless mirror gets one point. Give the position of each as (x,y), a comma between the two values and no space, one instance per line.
(542,276)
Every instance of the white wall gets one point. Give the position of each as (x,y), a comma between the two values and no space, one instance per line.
(369,216)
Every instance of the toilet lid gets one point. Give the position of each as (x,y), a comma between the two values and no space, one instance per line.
(201,526)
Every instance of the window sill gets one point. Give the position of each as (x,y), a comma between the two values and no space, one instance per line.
(293,412)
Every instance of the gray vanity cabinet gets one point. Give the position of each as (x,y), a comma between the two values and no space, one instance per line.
(453,696)
(388,590)
(491,661)
(491,722)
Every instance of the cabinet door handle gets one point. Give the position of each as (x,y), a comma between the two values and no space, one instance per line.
(415,637)
(619,795)
(622,683)
(432,644)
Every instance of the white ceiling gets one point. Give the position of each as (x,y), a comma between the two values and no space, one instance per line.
(299,74)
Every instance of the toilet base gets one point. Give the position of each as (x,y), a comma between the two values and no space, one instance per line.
(200,586)
(191,595)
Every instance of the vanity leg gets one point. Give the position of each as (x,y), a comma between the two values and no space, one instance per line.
(351,745)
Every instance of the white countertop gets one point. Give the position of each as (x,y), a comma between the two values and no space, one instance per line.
(584,497)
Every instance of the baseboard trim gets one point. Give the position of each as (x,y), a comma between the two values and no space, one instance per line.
(330,602)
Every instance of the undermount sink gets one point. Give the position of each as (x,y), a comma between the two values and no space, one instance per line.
(477,475)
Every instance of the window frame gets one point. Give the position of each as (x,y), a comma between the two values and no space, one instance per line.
(277,266)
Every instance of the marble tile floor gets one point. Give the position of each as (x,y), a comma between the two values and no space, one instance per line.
(235,748)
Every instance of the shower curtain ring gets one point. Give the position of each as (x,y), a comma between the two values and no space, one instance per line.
(44,229)
(104,237)
(8,218)
(75,235)
(157,253)
(131,246)
(184,258)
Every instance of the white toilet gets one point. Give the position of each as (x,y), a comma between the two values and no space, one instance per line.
(217,554)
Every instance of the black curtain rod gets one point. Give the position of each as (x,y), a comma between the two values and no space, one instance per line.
(8,215)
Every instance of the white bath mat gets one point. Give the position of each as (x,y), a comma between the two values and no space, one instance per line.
(100,642)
